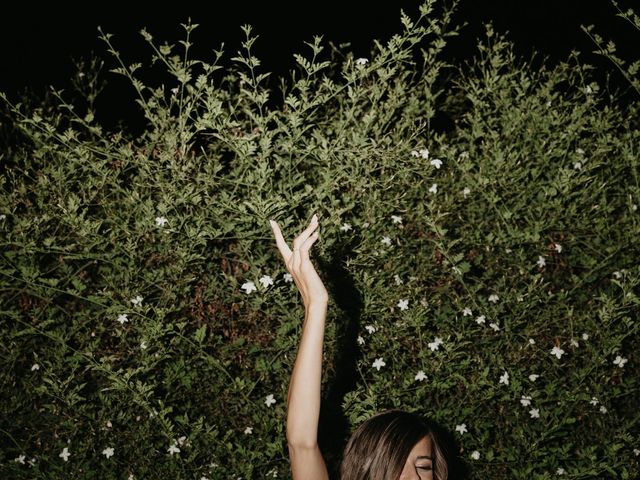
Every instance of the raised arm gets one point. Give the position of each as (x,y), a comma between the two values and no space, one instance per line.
(303,403)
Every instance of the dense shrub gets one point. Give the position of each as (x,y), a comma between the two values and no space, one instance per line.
(479,230)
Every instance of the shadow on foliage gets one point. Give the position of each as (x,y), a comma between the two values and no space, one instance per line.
(334,430)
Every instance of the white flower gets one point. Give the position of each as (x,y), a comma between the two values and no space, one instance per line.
(161,221)
(494,326)
(557,351)
(533,377)
(415,153)
(480,320)
(360,340)
(475,455)
(466,312)
(35,366)
(548,103)
(20,459)
(137,300)
(109,424)
(532,341)
(403,304)
(577,165)
(269,400)
(508,250)
(424,153)
(534,413)
(541,261)
(579,151)
(603,409)
(620,361)
(593,401)
(288,277)
(574,343)
(504,378)
(122,318)
(65,454)
(398,280)
(525,400)
(560,471)
(396,219)
(378,363)
(362,61)
(345,227)
(370,328)
(585,336)
(175,90)
(249,287)
(365,225)
(466,191)
(462,428)
(435,345)
(182,440)
(558,247)
(588,90)
(386,241)
(266,280)
(436,162)
(617,274)
(3,217)
(173,448)
(493,298)
(143,345)
(636,452)
(108,452)
(420,376)
(434,188)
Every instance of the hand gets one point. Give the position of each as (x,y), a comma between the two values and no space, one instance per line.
(298,264)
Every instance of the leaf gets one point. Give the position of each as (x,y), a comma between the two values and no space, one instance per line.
(201,333)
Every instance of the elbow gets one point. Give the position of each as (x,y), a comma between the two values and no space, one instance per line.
(301,442)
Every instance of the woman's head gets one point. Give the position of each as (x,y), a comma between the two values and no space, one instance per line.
(393,445)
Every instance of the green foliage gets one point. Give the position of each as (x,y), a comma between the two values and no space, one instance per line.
(127,261)
(631,71)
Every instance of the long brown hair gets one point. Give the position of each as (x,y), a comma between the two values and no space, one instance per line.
(379,447)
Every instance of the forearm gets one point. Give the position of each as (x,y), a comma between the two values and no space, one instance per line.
(303,404)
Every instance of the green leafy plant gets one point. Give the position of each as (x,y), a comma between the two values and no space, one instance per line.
(485,274)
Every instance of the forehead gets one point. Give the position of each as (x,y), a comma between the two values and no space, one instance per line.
(423,447)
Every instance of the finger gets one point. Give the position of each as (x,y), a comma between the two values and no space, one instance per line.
(306,246)
(285,251)
(297,243)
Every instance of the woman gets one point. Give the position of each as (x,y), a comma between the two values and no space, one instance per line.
(392,445)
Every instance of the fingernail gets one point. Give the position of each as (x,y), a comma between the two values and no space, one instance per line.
(314,218)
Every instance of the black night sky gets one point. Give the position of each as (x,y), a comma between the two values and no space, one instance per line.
(39,42)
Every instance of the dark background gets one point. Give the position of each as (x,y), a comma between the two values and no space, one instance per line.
(39,42)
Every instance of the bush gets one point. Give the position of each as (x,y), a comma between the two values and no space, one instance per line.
(487,266)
